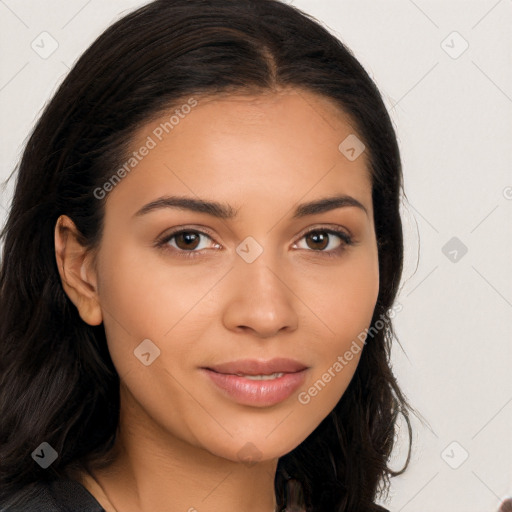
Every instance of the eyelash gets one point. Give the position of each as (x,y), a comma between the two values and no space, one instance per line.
(346,239)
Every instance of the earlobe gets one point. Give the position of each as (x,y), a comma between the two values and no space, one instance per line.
(76,272)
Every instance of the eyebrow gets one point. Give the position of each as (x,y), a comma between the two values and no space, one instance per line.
(226,211)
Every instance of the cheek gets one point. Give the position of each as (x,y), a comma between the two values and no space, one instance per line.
(345,307)
(346,294)
(142,300)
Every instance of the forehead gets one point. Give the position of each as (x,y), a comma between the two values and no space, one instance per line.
(266,144)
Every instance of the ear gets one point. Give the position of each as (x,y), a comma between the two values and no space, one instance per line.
(77,273)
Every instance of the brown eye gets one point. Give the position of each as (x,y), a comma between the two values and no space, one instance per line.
(187,240)
(189,243)
(328,242)
(319,240)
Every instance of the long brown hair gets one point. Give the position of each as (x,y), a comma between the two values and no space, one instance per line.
(57,382)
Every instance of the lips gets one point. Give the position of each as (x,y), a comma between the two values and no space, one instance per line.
(237,380)
(258,367)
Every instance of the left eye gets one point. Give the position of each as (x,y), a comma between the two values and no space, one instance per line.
(321,240)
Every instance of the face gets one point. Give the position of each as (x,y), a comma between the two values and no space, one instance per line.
(256,277)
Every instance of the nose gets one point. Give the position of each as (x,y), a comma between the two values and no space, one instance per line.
(260,299)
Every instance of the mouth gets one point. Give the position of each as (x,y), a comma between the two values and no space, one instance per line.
(256,382)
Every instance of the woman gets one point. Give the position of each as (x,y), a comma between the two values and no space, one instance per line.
(199,273)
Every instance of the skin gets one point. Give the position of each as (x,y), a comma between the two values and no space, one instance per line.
(180,437)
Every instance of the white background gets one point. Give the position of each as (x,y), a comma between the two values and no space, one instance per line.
(453,120)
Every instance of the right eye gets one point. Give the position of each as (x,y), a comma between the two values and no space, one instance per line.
(185,242)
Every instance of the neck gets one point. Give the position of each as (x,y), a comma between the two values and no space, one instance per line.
(152,472)
(232,487)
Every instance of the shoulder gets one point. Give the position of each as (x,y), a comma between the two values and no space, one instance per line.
(63,495)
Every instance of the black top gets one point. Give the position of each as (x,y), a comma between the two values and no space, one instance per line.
(63,495)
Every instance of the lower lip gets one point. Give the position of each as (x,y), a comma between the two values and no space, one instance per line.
(257,392)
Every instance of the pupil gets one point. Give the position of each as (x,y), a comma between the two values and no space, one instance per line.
(188,237)
(319,238)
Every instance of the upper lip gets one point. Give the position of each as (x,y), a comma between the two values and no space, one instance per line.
(259,367)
